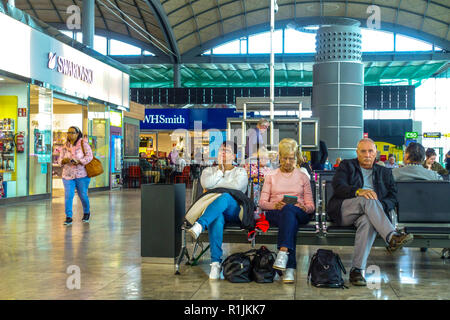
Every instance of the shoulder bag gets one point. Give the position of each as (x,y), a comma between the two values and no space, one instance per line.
(93,168)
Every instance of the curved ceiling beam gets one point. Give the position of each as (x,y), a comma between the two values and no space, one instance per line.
(163,21)
(120,37)
(307,21)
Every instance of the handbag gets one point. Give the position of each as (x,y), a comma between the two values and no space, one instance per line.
(93,168)
(262,266)
(237,268)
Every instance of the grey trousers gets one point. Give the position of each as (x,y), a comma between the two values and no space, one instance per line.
(369,219)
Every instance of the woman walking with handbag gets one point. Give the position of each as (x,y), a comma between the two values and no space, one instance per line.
(75,154)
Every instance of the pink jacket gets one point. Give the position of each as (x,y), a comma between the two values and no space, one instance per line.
(278,184)
(71,171)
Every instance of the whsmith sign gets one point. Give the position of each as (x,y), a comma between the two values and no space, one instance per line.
(165,119)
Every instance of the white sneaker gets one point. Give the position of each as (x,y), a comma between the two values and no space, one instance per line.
(281,261)
(215,271)
(289,276)
(195,230)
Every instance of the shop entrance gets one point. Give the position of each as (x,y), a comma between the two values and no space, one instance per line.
(65,115)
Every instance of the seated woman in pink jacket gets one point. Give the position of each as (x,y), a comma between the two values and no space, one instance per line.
(287,180)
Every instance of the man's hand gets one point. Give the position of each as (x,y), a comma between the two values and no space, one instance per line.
(279,205)
(368,194)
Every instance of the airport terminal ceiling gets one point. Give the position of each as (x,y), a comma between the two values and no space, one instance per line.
(179,31)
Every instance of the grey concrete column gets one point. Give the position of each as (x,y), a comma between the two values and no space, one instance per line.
(176,75)
(88,22)
(338,88)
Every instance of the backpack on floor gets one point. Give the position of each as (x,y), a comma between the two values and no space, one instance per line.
(325,270)
(262,266)
(237,268)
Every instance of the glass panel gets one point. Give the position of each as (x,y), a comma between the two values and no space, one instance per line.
(403,43)
(98,117)
(227,48)
(13,132)
(373,40)
(299,42)
(100,44)
(65,115)
(122,48)
(41,108)
(260,43)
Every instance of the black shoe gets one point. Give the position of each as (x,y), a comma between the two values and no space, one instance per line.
(68,221)
(86,217)
(356,278)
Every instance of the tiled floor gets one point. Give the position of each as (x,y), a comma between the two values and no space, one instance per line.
(36,251)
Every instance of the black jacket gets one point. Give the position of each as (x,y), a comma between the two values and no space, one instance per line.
(248,219)
(349,178)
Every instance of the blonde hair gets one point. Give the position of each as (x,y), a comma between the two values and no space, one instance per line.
(288,145)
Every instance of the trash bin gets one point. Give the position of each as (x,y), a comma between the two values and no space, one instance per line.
(162,213)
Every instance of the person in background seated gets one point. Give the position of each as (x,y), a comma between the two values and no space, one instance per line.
(447,161)
(363,195)
(430,162)
(338,162)
(146,167)
(391,162)
(413,169)
(287,181)
(225,208)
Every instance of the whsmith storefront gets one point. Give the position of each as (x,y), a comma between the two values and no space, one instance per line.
(187,130)
(46,86)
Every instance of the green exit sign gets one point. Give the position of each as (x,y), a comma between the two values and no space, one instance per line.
(411,135)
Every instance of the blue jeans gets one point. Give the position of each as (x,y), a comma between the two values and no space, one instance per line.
(81,184)
(223,209)
(287,220)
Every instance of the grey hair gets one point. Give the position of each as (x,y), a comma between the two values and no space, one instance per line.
(366,140)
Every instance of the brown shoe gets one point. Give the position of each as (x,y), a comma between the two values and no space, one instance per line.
(357,279)
(399,240)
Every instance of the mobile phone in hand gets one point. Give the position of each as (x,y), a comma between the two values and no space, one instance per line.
(289,199)
(73,161)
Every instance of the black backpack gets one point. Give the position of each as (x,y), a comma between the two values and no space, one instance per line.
(262,270)
(325,270)
(237,267)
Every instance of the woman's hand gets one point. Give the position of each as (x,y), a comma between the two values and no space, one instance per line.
(65,161)
(75,162)
(279,205)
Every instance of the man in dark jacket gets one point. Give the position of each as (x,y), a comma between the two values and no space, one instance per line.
(318,158)
(363,195)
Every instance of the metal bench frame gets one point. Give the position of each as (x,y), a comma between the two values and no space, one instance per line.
(319,232)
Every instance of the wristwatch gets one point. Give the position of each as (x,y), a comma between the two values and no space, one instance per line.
(357,192)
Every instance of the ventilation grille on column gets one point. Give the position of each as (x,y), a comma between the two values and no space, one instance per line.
(338,43)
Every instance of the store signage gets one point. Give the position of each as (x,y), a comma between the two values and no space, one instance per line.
(164,119)
(411,135)
(63,68)
(70,68)
(435,135)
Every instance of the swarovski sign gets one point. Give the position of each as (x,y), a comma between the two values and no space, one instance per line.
(70,68)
